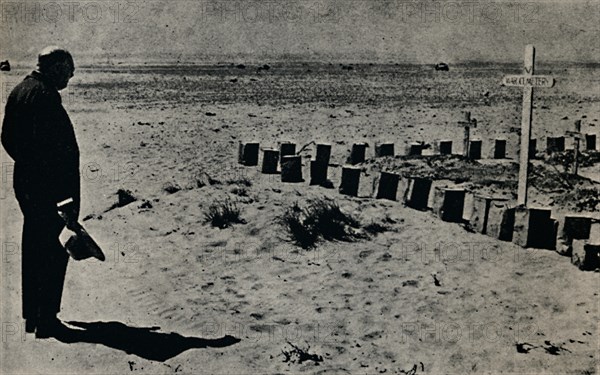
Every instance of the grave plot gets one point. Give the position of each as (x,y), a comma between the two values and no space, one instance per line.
(508,201)
(416,183)
(440,183)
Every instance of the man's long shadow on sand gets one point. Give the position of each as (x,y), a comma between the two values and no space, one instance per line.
(144,342)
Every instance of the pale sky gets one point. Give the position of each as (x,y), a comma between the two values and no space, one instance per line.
(322,30)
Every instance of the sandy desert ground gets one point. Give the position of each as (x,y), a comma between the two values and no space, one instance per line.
(388,304)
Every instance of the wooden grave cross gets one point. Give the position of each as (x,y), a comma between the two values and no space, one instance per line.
(577,136)
(467,123)
(528,81)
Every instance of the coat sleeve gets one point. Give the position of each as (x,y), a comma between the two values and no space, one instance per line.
(11,133)
(53,135)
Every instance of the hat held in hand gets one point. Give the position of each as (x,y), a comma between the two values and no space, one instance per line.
(80,245)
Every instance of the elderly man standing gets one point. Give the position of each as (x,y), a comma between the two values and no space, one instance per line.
(38,135)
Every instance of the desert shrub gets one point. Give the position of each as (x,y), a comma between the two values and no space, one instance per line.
(586,158)
(204,179)
(223,214)
(124,197)
(299,355)
(331,222)
(376,228)
(301,228)
(587,199)
(171,187)
(581,198)
(242,181)
(322,218)
(241,191)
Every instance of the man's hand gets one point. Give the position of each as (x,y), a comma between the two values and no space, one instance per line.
(70,218)
(68,212)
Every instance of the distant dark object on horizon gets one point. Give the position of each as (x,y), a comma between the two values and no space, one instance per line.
(264,67)
(442,67)
(5,66)
(241,66)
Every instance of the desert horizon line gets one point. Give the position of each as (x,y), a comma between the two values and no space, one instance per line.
(86,62)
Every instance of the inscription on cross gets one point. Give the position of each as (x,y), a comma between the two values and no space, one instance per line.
(528,81)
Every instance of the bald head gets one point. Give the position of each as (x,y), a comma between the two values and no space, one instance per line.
(57,64)
(53,55)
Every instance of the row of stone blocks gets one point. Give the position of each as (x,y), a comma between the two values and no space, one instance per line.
(444,147)
(557,144)
(580,239)
(249,152)
(576,236)
(527,227)
(286,162)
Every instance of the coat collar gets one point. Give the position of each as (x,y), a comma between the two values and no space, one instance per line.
(42,78)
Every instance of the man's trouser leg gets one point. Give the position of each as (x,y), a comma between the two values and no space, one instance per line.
(29,275)
(44,264)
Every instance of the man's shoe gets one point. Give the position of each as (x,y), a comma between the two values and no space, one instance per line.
(51,328)
(30,325)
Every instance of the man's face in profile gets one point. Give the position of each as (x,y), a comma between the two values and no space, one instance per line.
(63,73)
